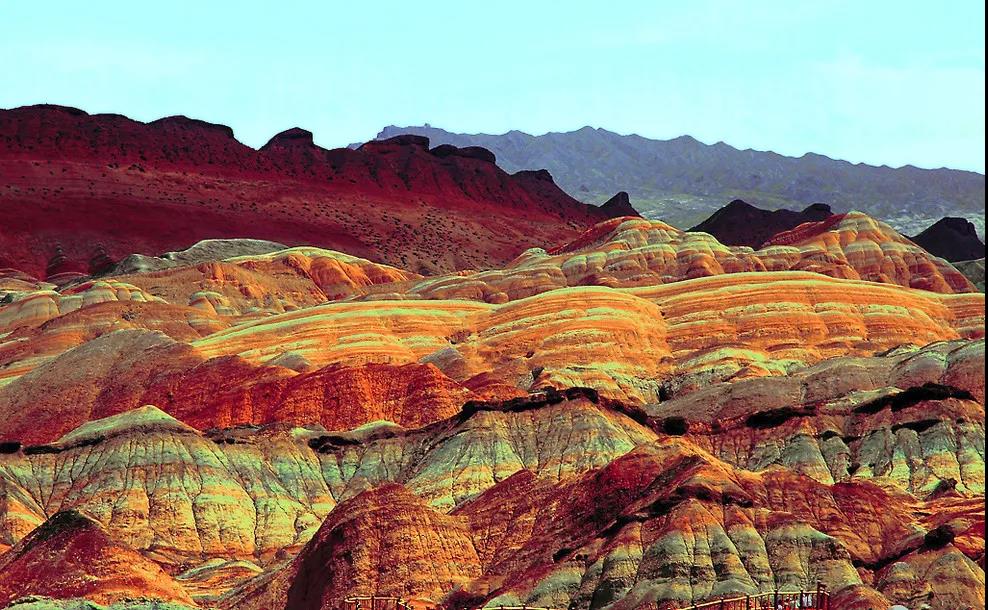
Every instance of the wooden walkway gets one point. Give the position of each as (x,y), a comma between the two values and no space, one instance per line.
(818,599)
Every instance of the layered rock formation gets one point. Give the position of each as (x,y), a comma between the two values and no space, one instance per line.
(911,419)
(37,331)
(385,355)
(70,555)
(274,282)
(558,337)
(637,252)
(640,416)
(249,493)
(665,522)
(127,369)
(785,494)
(870,248)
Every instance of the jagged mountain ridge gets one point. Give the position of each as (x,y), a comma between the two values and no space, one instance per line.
(682,181)
(79,191)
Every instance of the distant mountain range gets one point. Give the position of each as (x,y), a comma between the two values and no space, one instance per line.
(683,181)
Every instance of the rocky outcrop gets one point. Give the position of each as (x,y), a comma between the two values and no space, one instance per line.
(294,137)
(385,541)
(619,205)
(859,247)
(71,556)
(954,239)
(203,251)
(911,419)
(742,224)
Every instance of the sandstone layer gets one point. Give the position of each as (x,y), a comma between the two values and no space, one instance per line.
(625,252)
(332,363)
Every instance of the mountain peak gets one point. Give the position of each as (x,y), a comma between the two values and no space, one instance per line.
(739,204)
(817,208)
(183,122)
(619,205)
(290,137)
(741,224)
(954,239)
(468,152)
(403,139)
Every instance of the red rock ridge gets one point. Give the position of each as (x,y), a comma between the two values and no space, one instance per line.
(81,185)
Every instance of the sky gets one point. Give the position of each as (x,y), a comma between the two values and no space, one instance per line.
(878,82)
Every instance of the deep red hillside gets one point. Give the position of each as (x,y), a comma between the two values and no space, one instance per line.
(72,184)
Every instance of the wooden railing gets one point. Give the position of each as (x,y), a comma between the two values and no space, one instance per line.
(519,608)
(788,600)
(376,602)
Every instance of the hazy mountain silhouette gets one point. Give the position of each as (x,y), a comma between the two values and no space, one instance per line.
(683,181)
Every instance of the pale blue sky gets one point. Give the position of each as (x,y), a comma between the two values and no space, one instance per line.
(879,82)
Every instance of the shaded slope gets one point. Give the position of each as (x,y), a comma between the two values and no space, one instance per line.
(974,271)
